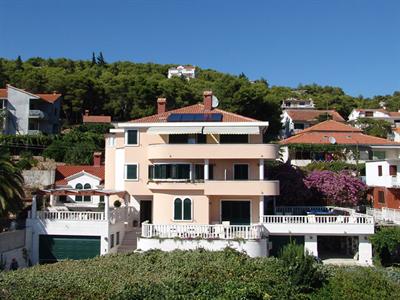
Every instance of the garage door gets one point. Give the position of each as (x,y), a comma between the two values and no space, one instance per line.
(53,248)
(237,212)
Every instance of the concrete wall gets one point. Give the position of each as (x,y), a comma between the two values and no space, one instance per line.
(12,244)
(38,178)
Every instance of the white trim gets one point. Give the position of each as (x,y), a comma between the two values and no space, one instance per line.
(243,200)
(248,171)
(137,138)
(188,124)
(81,173)
(126,171)
(183,198)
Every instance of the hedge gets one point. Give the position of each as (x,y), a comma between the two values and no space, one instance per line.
(185,275)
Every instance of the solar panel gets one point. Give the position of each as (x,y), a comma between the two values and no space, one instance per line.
(206,117)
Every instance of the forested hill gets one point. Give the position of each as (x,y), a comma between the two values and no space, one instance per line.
(129,90)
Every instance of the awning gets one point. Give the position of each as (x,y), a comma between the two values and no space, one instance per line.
(232,130)
(175,130)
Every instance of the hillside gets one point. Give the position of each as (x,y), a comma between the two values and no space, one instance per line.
(128,90)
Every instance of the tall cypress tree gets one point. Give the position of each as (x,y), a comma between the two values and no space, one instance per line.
(93,59)
(18,63)
(100,60)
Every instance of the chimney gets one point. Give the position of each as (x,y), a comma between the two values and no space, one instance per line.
(161,105)
(97,159)
(207,100)
(86,112)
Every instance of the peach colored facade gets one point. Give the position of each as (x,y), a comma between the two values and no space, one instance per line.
(206,195)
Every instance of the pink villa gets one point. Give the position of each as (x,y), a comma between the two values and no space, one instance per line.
(189,178)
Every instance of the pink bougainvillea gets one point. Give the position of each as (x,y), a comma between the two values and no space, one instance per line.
(341,189)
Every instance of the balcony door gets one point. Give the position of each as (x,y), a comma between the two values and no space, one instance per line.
(236,212)
(146,207)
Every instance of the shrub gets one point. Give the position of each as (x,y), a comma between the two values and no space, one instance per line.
(354,283)
(305,271)
(386,244)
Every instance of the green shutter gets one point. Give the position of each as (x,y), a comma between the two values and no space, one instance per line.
(178,209)
(187,209)
(132,137)
(131,172)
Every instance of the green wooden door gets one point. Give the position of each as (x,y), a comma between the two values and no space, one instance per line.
(237,212)
(53,248)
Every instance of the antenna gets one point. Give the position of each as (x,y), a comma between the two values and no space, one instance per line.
(215,102)
(332,140)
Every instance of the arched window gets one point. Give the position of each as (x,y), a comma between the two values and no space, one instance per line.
(182,209)
(87,186)
(78,186)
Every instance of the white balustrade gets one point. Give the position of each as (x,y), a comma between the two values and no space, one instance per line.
(385,214)
(71,215)
(311,219)
(229,232)
(298,210)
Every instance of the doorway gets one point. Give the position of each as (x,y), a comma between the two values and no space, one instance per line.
(236,212)
(146,208)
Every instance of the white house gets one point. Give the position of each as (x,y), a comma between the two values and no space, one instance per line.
(295,103)
(188,72)
(376,114)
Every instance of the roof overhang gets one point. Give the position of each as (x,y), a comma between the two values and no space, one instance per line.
(175,130)
(89,192)
(184,124)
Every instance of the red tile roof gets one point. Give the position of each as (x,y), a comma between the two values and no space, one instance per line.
(195,109)
(343,134)
(311,115)
(96,119)
(51,98)
(63,172)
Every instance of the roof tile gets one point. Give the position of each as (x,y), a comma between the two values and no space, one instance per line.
(311,115)
(63,172)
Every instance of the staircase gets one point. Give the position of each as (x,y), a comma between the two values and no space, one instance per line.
(129,243)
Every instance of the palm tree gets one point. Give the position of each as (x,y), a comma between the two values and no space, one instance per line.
(11,186)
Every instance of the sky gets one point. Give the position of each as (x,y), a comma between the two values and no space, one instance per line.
(353,44)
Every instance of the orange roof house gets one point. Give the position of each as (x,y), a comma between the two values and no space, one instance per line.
(333,133)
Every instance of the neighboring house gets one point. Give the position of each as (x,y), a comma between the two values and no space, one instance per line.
(295,120)
(383,178)
(81,177)
(295,103)
(304,147)
(188,72)
(376,114)
(28,113)
(86,118)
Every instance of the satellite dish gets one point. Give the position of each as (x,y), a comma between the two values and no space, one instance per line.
(332,140)
(215,102)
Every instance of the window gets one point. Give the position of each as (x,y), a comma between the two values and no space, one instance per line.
(199,172)
(117,238)
(87,186)
(131,172)
(78,186)
(182,209)
(33,124)
(131,137)
(393,170)
(241,172)
(112,241)
(378,155)
(102,199)
(188,139)
(233,139)
(379,170)
(369,113)
(62,198)
(169,171)
(299,126)
(211,172)
(381,196)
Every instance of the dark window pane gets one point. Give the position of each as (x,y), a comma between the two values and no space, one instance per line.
(178,138)
(87,186)
(187,209)
(211,172)
(101,198)
(87,198)
(381,196)
(112,241)
(132,137)
(199,172)
(78,187)
(131,172)
(234,139)
(201,138)
(117,238)
(298,126)
(178,209)
(392,170)
(241,172)
(379,170)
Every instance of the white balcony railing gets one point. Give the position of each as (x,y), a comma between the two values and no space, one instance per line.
(385,214)
(299,210)
(71,215)
(312,219)
(224,232)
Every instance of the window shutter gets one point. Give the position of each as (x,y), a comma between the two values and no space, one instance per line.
(187,209)
(131,172)
(178,209)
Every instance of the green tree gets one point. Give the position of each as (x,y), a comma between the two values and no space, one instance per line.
(93,59)
(11,186)
(379,128)
(100,60)
(18,63)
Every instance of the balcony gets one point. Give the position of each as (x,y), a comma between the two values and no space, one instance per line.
(241,187)
(213,151)
(36,114)
(185,185)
